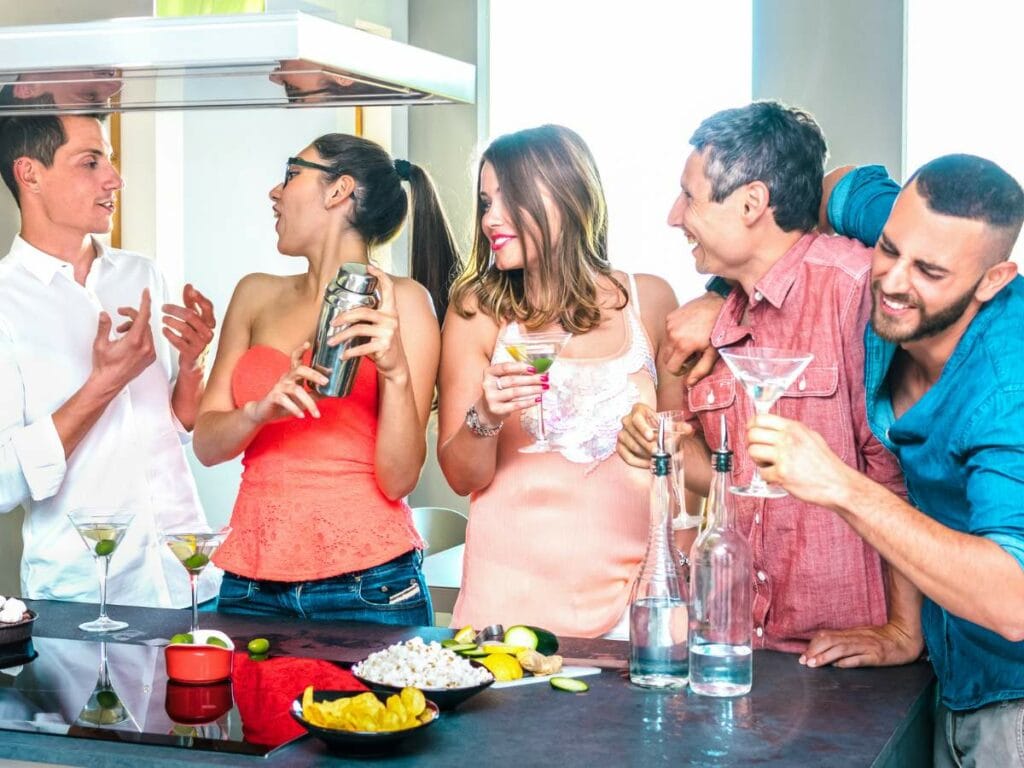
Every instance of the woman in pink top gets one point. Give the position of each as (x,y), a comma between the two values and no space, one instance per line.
(321,528)
(554,539)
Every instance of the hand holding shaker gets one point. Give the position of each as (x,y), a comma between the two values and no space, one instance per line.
(353,287)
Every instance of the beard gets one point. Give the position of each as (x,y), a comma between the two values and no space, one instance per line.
(931,323)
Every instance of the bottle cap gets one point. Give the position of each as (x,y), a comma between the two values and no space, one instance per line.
(721,457)
(660,457)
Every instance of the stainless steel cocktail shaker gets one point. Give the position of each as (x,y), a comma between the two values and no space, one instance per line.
(353,287)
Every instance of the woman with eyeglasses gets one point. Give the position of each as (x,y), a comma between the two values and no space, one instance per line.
(320,528)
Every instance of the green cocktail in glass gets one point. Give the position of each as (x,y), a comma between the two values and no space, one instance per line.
(540,349)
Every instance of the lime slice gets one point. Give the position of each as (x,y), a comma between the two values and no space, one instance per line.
(196,561)
(258,646)
(182,638)
(107,699)
(216,641)
(542,363)
(105,548)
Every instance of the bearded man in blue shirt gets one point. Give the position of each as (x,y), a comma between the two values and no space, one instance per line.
(944,377)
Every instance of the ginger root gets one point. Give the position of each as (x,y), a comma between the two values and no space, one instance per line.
(538,663)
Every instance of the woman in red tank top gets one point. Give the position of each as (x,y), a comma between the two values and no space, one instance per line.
(320,528)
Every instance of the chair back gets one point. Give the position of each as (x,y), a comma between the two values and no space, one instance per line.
(441,528)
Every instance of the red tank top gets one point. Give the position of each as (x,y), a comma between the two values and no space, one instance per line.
(309,506)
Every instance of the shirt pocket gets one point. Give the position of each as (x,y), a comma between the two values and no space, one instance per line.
(814,400)
(712,393)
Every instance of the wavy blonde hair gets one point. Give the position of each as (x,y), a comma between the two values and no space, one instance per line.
(554,160)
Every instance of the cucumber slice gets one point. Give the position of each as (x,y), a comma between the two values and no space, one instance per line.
(461,647)
(536,638)
(473,653)
(570,684)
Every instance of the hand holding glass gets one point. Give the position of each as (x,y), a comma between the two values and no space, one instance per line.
(539,349)
(765,373)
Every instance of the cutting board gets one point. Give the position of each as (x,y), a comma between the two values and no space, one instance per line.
(566,672)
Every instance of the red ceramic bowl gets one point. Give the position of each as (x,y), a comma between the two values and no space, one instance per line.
(197,704)
(198,663)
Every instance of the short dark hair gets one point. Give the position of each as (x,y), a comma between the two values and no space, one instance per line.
(971,187)
(766,141)
(35,136)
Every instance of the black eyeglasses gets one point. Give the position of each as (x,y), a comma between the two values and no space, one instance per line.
(289,173)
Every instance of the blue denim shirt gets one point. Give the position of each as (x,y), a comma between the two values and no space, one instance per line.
(962,451)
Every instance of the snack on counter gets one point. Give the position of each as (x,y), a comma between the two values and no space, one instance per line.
(12,610)
(366,713)
(421,665)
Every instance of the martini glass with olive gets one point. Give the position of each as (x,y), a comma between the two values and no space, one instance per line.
(102,531)
(194,550)
(539,349)
(104,707)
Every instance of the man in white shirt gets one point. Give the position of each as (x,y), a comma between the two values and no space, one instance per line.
(92,415)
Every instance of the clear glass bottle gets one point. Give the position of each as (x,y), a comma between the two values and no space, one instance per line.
(658,656)
(721,590)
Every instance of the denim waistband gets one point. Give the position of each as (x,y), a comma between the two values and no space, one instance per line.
(413,557)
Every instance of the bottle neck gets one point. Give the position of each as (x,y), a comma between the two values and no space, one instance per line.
(720,500)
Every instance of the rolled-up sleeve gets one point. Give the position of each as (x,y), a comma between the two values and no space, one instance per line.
(32,461)
(995,471)
(861,202)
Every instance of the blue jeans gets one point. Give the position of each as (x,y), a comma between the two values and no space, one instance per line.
(394,592)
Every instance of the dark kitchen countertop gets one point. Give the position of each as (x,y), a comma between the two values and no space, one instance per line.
(793,717)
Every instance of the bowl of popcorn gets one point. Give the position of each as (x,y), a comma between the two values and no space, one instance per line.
(15,621)
(445,678)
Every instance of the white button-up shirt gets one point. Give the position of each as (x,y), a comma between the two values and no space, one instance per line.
(132,458)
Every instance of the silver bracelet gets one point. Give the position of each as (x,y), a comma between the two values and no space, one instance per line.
(477,427)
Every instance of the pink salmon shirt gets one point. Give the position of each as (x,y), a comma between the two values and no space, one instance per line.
(811,570)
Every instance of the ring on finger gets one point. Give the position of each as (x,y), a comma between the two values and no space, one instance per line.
(497,382)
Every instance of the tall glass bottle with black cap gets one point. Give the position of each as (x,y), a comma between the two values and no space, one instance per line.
(657,611)
(721,592)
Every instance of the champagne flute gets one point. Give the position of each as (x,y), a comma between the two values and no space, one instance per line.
(765,373)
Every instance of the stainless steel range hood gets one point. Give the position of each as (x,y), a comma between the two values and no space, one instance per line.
(287,59)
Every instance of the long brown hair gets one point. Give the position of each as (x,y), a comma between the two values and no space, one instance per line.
(555,159)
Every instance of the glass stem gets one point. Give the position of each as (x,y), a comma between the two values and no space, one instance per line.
(543,436)
(104,566)
(193,580)
(756,481)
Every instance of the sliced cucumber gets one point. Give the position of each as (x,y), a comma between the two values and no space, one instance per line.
(570,684)
(460,647)
(473,653)
(536,638)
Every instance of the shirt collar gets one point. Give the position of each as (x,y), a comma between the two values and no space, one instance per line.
(775,284)
(43,266)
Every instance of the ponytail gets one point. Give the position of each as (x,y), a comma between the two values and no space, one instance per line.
(434,262)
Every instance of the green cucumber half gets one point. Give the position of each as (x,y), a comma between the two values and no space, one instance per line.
(570,684)
(536,638)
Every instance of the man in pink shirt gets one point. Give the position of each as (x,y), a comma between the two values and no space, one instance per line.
(750,194)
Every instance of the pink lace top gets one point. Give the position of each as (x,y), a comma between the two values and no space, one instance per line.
(557,539)
(309,506)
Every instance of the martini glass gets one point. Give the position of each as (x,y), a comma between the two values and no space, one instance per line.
(193,549)
(765,373)
(102,531)
(104,707)
(539,349)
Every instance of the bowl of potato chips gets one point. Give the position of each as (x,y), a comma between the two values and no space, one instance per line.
(363,721)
